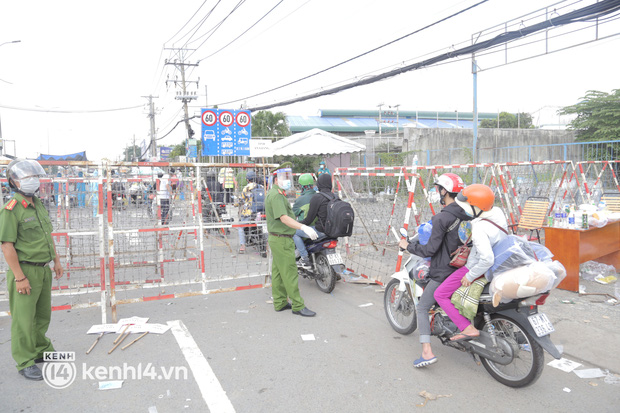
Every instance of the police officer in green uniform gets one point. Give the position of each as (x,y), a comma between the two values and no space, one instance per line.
(281,225)
(27,245)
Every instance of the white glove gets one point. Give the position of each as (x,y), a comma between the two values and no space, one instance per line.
(310,232)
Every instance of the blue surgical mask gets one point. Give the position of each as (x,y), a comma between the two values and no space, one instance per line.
(285,184)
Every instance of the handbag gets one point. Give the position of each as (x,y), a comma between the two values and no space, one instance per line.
(460,255)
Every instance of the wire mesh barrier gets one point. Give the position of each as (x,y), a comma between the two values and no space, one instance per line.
(155,231)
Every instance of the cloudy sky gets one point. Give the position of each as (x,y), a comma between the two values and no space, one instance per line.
(78,78)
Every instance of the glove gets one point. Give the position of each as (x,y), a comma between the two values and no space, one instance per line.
(310,232)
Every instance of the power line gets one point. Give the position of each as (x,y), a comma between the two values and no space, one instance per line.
(187,22)
(68,111)
(360,55)
(247,30)
(599,9)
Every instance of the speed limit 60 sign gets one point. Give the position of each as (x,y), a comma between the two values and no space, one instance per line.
(226,132)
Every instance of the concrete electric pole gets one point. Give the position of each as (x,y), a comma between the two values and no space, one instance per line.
(153,145)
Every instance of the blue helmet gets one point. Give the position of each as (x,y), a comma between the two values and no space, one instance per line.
(250,176)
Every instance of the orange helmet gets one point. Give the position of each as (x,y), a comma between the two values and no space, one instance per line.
(476,198)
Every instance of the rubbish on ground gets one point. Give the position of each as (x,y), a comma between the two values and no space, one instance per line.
(611,378)
(591,383)
(430,396)
(566,389)
(143,334)
(307,337)
(589,270)
(564,364)
(95,343)
(243,311)
(365,305)
(605,280)
(589,373)
(110,385)
(153,409)
(567,302)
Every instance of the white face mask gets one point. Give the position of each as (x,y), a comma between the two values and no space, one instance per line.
(285,184)
(28,186)
(434,197)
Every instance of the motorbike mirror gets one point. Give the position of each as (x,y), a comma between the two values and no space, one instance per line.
(403,232)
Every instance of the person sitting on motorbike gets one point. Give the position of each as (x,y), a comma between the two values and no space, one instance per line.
(315,218)
(477,201)
(444,239)
(300,207)
(245,212)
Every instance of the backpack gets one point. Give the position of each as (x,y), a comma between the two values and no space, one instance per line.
(258,198)
(340,217)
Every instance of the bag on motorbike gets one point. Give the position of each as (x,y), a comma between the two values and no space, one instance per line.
(340,217)
(258,199)
(460,255)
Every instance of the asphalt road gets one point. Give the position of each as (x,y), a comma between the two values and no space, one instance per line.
(356,363)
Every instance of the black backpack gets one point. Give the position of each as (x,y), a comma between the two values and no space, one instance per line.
(340,217)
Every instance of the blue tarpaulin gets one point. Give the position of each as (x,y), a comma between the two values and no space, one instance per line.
(79,156)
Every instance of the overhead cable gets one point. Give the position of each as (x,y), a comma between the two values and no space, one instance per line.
(599,9)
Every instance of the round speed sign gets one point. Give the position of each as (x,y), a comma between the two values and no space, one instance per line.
(209,118)
(226,119)
(243,119)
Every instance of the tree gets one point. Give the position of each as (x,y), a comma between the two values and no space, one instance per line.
(132,153)
(598,116)
(509,121)
(266,123)
(177,150)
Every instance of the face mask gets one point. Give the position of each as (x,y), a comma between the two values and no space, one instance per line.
(469,213)
(322,166)
(285,184)
(28,186)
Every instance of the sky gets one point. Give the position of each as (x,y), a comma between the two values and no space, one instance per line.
(79,77)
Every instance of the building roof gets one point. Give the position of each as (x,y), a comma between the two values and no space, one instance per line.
(358,121)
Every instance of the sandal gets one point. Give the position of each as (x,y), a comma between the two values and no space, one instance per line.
(422,362)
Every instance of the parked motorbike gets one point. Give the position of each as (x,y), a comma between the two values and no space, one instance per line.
(327,264)
(256,236)
(512,335)
(215,212)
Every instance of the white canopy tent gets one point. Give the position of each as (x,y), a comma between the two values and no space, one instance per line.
(315,142)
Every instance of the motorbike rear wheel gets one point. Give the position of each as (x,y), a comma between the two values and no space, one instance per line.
(528,356)
(325,277)
(399,308)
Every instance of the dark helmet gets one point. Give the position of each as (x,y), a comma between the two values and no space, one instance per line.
(250,176)
(160,174)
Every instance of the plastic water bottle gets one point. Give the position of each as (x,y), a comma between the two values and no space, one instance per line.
(415,161)
(565,212)
(571,217)
(558,217)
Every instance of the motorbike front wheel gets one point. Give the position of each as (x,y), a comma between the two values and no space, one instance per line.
(399,308)
(528,356)
(325,277)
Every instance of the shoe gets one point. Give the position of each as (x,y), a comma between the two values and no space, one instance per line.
(287,306)
(242,249)
(32,373)
(422,362)
(304,312)
(39,360)
(304,262)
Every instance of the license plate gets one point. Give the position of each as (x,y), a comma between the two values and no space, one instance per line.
(541,324)
(225,216)
(334,259)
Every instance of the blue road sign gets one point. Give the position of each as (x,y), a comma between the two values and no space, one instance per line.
(226,132)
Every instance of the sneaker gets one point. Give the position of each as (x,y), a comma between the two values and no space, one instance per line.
(242,249)
(305,262)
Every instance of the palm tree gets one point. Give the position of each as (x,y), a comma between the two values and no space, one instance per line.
(266,123)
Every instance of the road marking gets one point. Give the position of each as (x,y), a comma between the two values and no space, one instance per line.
(210,387)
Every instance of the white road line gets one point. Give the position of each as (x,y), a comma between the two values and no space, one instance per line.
(210,387)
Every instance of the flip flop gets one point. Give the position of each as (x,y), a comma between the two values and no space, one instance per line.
(422,362)
(465,337)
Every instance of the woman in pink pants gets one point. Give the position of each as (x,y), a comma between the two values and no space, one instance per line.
(488,228)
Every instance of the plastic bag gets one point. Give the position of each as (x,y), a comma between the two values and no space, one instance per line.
(424,232)
(511,252)
(558,270)
(589,270)
(521,282)
(542,253)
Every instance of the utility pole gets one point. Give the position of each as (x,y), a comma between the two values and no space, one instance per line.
(183,95)
(151,116)
(380,138)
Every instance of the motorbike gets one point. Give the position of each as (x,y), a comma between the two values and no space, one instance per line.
(213,211)
(327,264)
(256,236)
(512,335)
